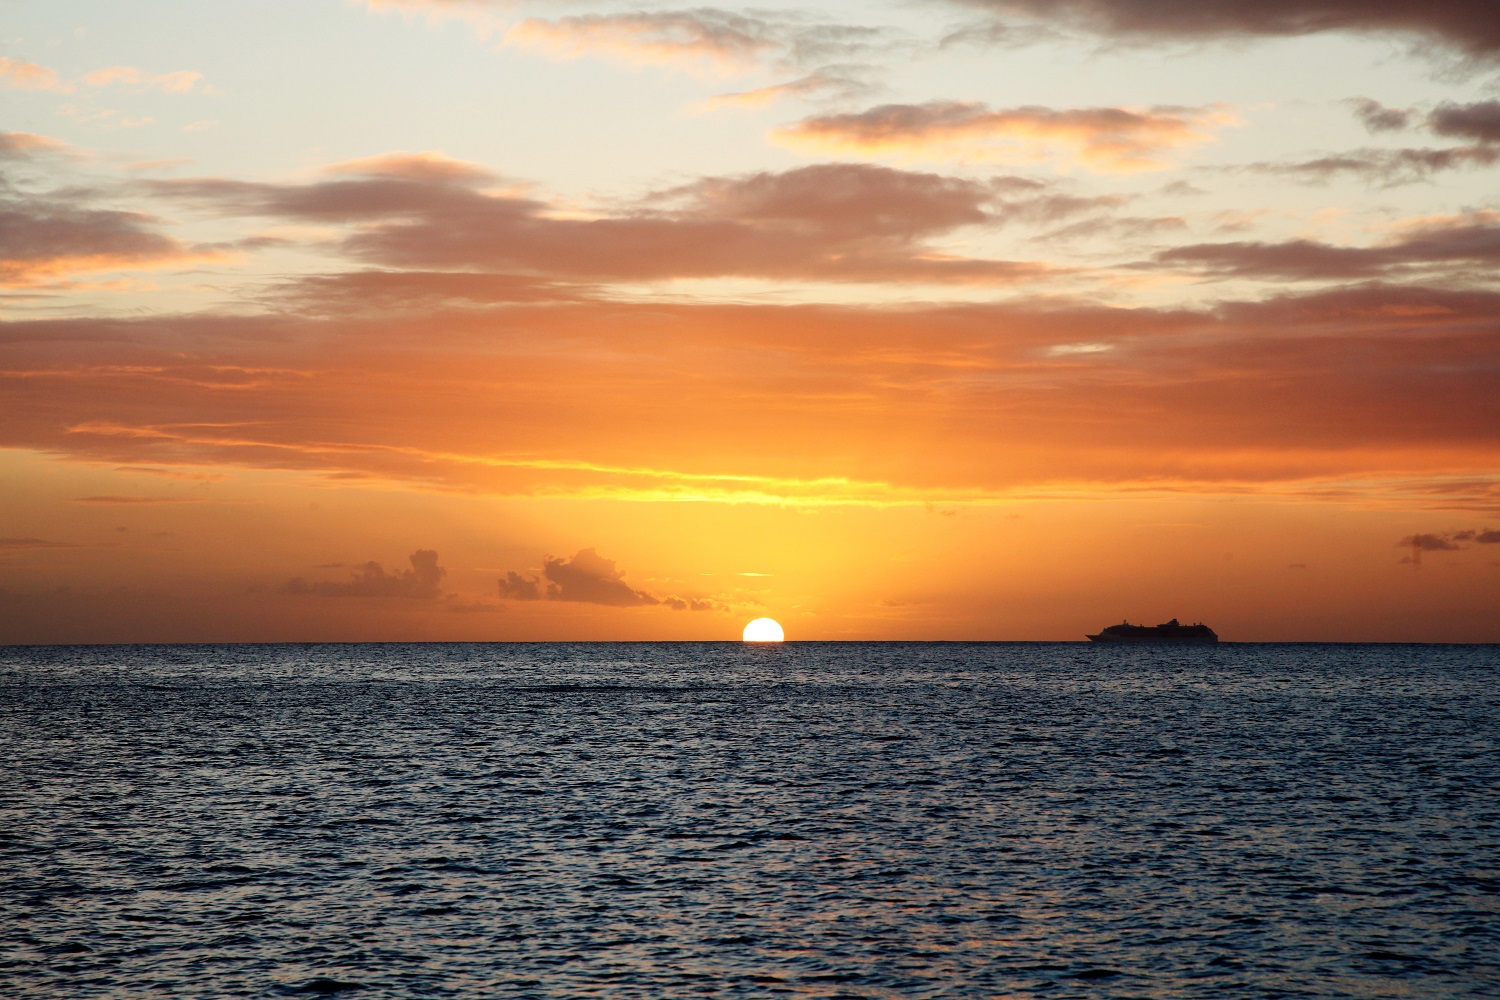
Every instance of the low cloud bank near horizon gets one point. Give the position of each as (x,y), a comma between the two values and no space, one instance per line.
(421,582)
(589,578)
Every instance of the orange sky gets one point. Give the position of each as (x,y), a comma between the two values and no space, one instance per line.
(865,329)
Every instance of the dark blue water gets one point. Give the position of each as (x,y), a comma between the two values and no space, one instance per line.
(682,820)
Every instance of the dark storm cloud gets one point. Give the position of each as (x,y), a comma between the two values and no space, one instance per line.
(421,582)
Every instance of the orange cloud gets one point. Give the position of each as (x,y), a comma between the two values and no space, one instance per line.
(180,82)
(695,40)
(18,74)
(428,165)
(1363,386)
(830,83)
(701,40)
(23,145)
(1102,139)
(47,239)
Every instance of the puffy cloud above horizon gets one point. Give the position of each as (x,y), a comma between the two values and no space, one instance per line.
(589,578)
(423,581)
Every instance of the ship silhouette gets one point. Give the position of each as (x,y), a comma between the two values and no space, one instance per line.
(1171,631)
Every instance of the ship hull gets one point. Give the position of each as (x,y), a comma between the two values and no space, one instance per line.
(1191,640)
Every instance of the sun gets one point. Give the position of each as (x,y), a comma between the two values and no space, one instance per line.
(764,630)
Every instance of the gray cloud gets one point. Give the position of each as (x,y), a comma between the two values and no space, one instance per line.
(421,582)
(1448,541)
(838,221)
(589,578)
(1389,167)
(1479,122)
(1466,241)
(1379,118)
(1467,26)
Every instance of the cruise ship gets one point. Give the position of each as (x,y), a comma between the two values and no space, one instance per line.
(1171,631)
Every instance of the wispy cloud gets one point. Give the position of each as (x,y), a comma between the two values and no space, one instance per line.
(701,40)
(18,74)
(1467,26)
(1102,139)
(179,82)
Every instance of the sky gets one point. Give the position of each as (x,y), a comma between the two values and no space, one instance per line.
(387,320)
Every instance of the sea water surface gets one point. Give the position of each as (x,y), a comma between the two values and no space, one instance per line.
(721,820)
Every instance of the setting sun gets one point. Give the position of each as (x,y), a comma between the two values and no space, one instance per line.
(764,630)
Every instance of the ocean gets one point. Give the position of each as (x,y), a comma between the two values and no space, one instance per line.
(720,820)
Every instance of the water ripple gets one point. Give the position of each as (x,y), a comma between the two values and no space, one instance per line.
(840,820)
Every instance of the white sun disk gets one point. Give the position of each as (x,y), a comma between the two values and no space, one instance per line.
(764,630)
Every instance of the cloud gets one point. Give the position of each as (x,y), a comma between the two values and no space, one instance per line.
(179,82)
(427,165)
(46,238)
(14,544)
(115,499)
(24,145)
(1459,241)
(1479,122)
(1368,393)
(1389,167)
(1468,26)
(1448,541)
(1103,139)
(707,39)
(704,39)
(1379,118)
(421,582)
(831,83)
(837,222)
(17,74)
(589,578)
(1428,543)
(516,587)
